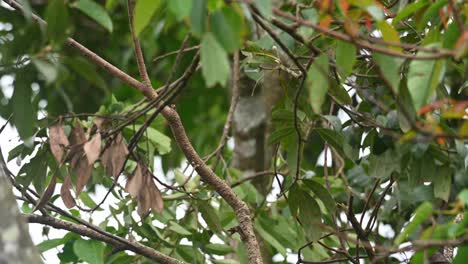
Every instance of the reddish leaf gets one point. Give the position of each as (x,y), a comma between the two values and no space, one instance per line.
(65,193)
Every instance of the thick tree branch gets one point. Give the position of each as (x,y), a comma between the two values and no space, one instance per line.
(108,238)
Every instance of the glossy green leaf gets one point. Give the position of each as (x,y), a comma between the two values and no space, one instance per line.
(87,200)
(214,61)
(333,138)
(90,251)
(432,12)
(423,212)
(57,21)
(95,11)
(317,82)
(279,134)
(345,57)
(144,11)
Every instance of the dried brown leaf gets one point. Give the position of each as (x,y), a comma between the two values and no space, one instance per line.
(100,122)
(77,135)
(155,196)
(82,169)
(92,148)
(47,193)
(135,183)
(58,141)
(114,156)
(65,193)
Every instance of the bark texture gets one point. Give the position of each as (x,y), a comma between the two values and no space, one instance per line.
(15,243)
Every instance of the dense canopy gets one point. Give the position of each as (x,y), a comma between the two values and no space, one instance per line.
(252,131)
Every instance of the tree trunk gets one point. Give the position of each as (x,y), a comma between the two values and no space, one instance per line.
(15,244)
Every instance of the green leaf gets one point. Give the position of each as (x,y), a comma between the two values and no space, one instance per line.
(214,61)
(57,21)
(179,229)
(345,57)
(442,183)
(279,134)
(267,237)
(180,8)
(389,34)
(317,82)
(423,78)
(265,7)
(91,251)
(432,12)
(463,196)
(161,141)
(294,199)
(96,12)
(451,35)
(49,244)
(198,16)
(310,215)
(408,10)
(144,11)
(322,194)
(218,249)
(389,66)
(339,93)
(226,25)
(462,255)
(23,111)
(210,216)
(87,200)
(333,138)
(420,215)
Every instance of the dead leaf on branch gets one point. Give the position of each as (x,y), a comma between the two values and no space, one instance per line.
(48,192)
(65,193)
(114,156)
(92,148)
(58,141)
(82,170)
(141,186)
(77,139)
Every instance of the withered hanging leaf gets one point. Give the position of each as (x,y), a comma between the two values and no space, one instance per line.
(77,135)
(58,141)
(92,148)
(77,139)
(155,196)
(65,193)
(100,123)
(114,156)
(47,193)
(135,183)
(142,187)
(82,170)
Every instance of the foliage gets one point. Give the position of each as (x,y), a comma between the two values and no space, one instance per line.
(377,87)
